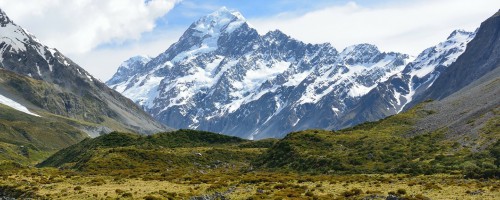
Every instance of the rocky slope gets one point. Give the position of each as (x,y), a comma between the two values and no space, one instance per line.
(46,82)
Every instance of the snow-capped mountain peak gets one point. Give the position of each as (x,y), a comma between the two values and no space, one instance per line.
(4,19)
(136,59)
(360,53)
(442,54)
(425,69)
(459,33)
(12,35)
(399,90)
(15,40)
(128,68)
(360,49)
(222,20)
(274,36)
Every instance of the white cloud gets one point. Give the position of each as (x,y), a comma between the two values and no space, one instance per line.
(102,63)
(408,26)
(78,26)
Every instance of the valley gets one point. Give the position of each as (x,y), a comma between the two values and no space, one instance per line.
(56,184)
(376,160)
(191,164)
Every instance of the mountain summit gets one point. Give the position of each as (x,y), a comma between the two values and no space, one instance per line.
(222,76)
(4,19)
(220,21)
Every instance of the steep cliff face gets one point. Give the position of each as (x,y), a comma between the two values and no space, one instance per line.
(482,56)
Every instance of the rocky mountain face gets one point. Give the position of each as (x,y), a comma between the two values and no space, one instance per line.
(222,76)
(482,57)
(129,68)
(392,96)
(57,85)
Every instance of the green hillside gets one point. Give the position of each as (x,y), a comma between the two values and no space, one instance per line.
(390,145)
(82,109)
(28,139)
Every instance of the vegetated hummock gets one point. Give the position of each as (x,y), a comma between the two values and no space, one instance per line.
(129,152)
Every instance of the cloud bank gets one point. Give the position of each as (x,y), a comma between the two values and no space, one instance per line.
(406,26)
(78,26)
(100,34)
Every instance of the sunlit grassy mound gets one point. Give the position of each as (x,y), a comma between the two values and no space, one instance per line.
(179,150)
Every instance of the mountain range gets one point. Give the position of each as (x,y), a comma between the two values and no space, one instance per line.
(222,76)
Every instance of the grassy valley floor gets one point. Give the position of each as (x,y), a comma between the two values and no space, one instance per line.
(51,183)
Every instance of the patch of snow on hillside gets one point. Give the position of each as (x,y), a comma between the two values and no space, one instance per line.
(11,103)
(360,90)
(255,78)
(296,79)
(38,70)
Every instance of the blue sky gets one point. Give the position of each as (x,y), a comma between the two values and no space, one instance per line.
(188,11)
(100,34)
